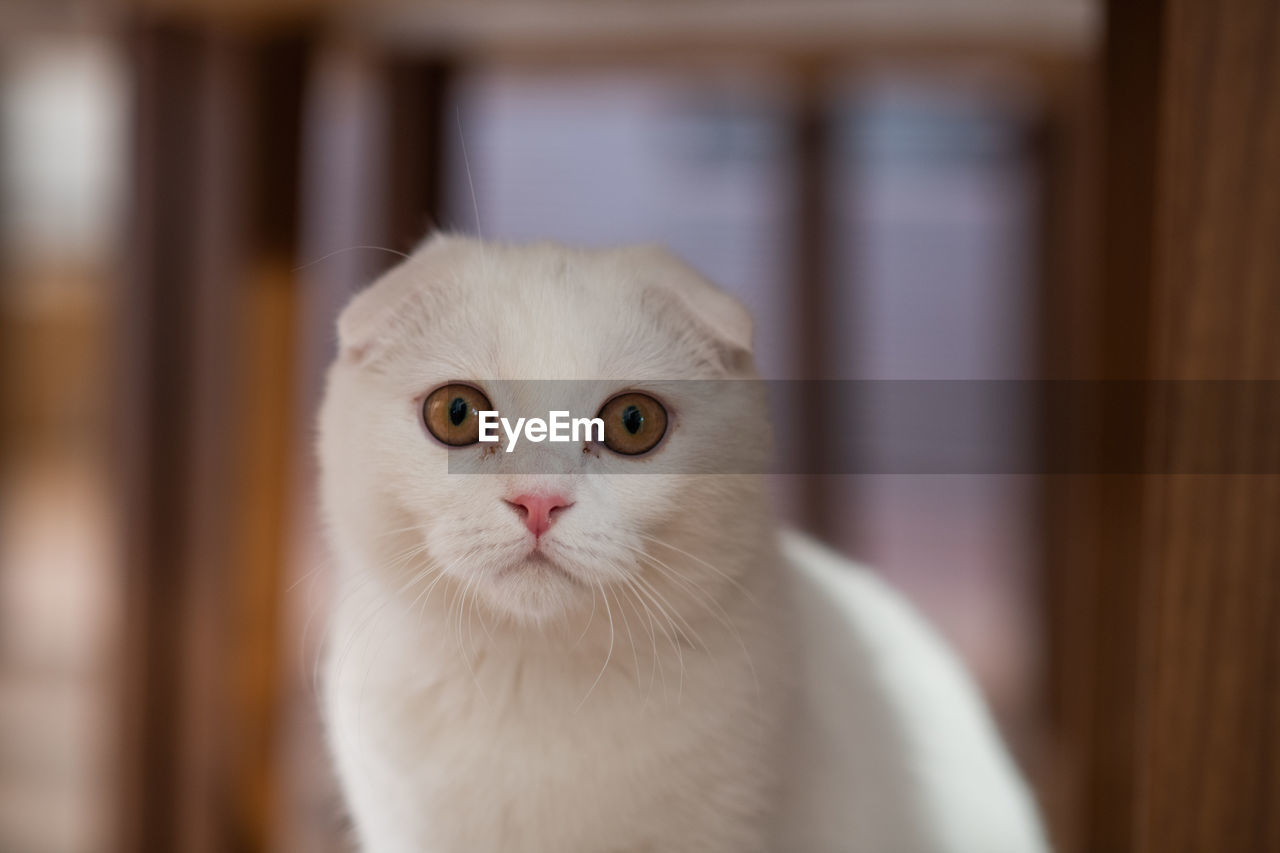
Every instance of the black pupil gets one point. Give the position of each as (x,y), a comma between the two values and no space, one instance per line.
(632,419)
(457,411)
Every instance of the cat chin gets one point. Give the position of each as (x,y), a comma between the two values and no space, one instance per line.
(534,591)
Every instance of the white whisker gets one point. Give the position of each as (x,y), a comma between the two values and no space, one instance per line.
(608,656)
(348,249)
(466,162)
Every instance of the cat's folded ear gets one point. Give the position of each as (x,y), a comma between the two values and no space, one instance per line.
(371,315)
(714,312)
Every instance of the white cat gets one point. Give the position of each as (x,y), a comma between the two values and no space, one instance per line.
(607,647)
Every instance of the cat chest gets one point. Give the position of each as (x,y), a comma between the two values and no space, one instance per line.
(570,781)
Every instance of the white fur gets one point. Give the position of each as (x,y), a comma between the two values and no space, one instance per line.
(669,677)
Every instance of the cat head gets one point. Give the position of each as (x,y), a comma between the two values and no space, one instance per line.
(632,336)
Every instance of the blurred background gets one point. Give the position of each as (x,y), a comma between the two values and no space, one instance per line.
(189,191)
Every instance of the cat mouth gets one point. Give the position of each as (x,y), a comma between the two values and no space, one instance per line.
(537,563)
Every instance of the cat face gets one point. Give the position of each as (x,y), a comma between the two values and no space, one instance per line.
(631,335)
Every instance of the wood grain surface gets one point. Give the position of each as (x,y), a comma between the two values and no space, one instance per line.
(1185,749)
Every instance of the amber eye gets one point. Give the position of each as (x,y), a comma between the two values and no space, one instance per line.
(450,412)
(633,423)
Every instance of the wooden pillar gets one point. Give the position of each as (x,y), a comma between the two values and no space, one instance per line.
(417,130)
(266,428)
(154,326)
(206,344)
(1184,741)
(1068,304)
(811,286)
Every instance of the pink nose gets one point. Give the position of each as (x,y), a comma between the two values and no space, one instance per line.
(539,510)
